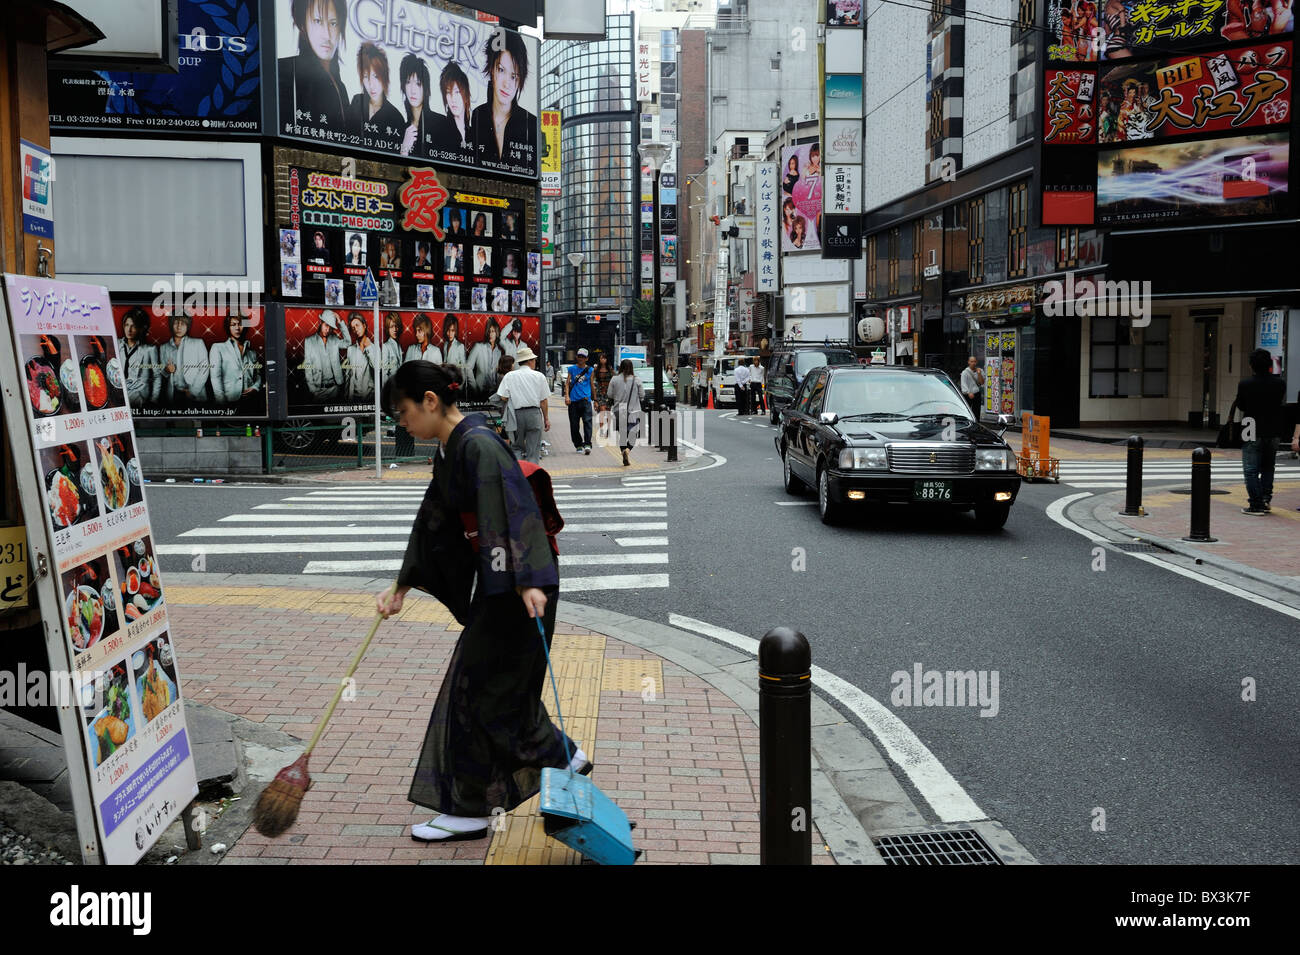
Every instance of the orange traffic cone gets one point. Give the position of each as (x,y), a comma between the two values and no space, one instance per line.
(710,399)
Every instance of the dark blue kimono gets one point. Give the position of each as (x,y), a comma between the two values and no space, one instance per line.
(490,735)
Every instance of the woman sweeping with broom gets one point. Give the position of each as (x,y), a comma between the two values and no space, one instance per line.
(490,735)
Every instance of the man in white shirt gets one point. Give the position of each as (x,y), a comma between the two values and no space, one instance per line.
(972,379)
(756,387)
(526,390)
(742,388)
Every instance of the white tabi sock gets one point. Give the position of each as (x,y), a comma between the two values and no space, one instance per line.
(579,760)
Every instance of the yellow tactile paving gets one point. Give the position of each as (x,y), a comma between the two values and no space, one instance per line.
(631,676)
(579,662)
(1236,497)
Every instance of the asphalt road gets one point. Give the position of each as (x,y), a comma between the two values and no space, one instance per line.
(1120,736)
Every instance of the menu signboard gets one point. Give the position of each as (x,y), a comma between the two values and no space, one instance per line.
(112,637)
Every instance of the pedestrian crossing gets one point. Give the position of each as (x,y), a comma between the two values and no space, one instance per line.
(615,535)
(1112,475)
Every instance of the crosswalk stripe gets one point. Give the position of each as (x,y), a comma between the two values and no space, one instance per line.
(602,528)
(613,582)
(295,532)
(290,547)
(284,518)
(351,566)
(641,541)
(585,560)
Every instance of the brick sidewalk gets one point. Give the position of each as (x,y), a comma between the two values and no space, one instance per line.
(681,761)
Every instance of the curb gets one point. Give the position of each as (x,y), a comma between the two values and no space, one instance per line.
(846,764)
(1100,510)
(1166,443)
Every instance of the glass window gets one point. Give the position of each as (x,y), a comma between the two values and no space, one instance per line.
(816,393)
(1018,231)
(975,239)
(1128,362)
(893,393)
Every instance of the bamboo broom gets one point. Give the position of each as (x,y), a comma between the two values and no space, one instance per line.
(277,807)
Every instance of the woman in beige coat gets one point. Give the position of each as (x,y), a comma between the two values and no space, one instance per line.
(624,397)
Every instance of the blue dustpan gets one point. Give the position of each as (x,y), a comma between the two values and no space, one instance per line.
(576,812)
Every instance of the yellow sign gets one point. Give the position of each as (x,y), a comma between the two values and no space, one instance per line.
(550,152)
(13,568)
(469,199)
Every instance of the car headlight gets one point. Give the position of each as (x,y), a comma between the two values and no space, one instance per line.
(864,458)
(995,459)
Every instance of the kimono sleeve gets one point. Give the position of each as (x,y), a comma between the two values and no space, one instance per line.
(438,559)
(513,549)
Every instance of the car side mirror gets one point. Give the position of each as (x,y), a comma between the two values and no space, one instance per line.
(829,418)
(1005,420)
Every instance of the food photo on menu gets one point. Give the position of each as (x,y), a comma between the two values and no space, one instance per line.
(109,714)
(156,687)
(69,473)
(53,382)
(90,603)
(119,471)
(100,372)
(136,570)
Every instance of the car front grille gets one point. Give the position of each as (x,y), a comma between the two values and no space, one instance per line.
(949,459)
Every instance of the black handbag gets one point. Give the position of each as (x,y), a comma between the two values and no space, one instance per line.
(1230,435)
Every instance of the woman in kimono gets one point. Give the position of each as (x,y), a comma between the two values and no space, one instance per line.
(490,735)
(484,358)
(423,349)
(453,349)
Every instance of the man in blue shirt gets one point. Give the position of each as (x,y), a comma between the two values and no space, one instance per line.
(577,395)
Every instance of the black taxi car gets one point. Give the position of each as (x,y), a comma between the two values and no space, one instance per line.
(892,434)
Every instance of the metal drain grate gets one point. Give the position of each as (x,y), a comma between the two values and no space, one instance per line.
(942,847)
(1135,547)
(1188,490)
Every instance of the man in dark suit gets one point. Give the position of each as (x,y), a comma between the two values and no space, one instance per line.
(1260,399)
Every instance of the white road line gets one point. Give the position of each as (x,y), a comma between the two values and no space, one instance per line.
(718,459)
(1110,484)
(327,508)
(296,532)
(368,499)
(613,582)
(623,493)
(602,528)
(292,547)
(350,566)
(641,541)
(582,560)
(341,518)
(935,784)
(1056,511)
(794,503)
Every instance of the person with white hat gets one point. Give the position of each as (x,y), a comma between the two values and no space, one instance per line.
(577,395)
(526,391)
(321,364)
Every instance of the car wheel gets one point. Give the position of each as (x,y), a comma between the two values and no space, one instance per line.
(829,510)
(792,484)
(296,435)
(991,517)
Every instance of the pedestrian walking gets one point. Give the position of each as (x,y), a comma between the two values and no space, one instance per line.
(1260,398)
(508,423)
(479,528)
(600,379)
(972,380)
(577,397)
(526,393)
(626,396)
(742,388)
(757,401)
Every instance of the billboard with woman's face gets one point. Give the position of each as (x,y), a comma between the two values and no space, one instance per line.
(801,198)
(402,78)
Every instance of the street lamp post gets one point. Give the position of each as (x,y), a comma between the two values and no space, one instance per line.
(655,154)
(576,259)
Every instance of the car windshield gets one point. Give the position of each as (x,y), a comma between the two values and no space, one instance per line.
(900,394)
(806,361)
(728,365)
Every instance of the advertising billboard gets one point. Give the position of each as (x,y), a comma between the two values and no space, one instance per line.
(1070,113)
(178,362)
(437,245)
(801,198)
(216,90)
(405,79)
(1202,180)
(1088,31)
(330,354)
(1188,95)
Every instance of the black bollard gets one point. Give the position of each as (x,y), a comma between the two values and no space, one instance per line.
(672,435)
(784,748)
(1133,481)
(1200,497)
